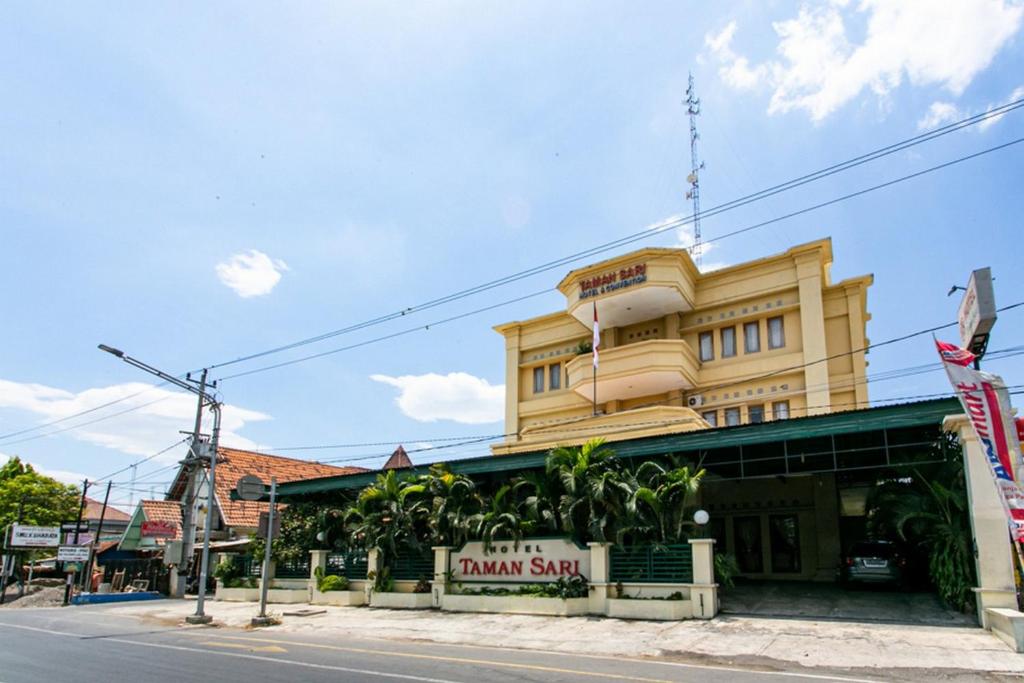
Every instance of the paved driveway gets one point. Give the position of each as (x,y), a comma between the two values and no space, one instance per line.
(798,599)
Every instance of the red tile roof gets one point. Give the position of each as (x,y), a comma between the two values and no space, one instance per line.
(94,508)
(163,511)
(234,464)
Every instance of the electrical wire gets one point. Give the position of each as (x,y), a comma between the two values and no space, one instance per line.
(644,234)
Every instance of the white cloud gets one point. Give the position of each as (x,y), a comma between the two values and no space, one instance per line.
(938,114)
(457,396)
(1015,95)
(925,42)
(152,426)
(251,274)
(685,240)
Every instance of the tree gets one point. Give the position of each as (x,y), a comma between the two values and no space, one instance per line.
(594,491)
(44,500)
(538,493)
(500,519)
(453,499)
(660,502)
(389,515)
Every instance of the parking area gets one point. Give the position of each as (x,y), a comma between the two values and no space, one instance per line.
(800,599)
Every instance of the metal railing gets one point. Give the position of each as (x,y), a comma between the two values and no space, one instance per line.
(412,567)
(652,563)
(353,566)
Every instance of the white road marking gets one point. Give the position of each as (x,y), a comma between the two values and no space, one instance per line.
(275,660)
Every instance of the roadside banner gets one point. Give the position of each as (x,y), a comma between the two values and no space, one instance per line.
(72,553)
(158,529)
(23,536)
(987,404)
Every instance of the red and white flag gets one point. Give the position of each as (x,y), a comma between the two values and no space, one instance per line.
(597,336)
(987,404)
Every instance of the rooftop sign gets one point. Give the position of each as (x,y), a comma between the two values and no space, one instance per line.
(613,280)
(977,312)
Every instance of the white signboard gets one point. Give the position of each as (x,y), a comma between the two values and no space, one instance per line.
(35,536)
(977,312)
(538,560)
(73,553)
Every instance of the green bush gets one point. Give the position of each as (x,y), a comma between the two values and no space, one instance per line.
(332,583)
(726,569)
(564,588)
(227,571)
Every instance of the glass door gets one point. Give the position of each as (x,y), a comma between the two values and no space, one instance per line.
(784,536)
(747,538)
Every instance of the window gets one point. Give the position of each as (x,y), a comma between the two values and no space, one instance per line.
(751,338)
(555,376)
(711,417)
(776,333)
(755,414)
(780,410)
(538,380)
(707,346)
(732,416)
(728,342)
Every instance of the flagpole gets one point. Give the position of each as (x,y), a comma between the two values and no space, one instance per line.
(596,343)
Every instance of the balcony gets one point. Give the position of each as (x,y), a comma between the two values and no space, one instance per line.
(645,368)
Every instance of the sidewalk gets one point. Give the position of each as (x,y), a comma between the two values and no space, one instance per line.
(757,642)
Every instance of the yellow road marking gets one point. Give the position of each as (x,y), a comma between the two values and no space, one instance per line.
(455,660)
(258,648)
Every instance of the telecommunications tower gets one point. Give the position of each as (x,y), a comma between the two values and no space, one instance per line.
(693,110)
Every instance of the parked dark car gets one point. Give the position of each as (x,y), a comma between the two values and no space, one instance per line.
(872,562)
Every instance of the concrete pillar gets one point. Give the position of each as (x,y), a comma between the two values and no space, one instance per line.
(512,383)
(442,553)
(812,324)
(993,554)
(600,577)
(855,313)
(826,527)
(317,559)
(177,588)
(704,592)
(372,561)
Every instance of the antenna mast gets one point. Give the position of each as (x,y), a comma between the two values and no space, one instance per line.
(693,110)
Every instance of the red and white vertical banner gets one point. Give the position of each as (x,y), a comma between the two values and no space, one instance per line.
(987,404)
(597,336)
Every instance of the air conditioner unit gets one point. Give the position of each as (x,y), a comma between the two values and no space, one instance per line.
(695,401)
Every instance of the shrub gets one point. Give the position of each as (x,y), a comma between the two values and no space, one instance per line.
(332,583)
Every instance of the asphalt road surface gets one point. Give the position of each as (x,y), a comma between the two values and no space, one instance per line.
(86,644)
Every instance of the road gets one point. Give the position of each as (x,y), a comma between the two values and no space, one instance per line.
(86,644)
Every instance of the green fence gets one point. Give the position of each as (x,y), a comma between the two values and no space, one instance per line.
(353,566)
(248,565)
(292,569)
(652,564)
(412,567)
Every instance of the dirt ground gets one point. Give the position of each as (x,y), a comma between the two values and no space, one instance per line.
(44,593)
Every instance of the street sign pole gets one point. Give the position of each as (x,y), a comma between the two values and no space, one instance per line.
(262,619)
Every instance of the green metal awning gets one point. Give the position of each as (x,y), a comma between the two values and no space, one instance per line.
(867,420)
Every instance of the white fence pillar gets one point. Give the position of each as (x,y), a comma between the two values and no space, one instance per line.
(600,577)
(372,558)
(993,552)
(440,583)
(704,593)
(317,559)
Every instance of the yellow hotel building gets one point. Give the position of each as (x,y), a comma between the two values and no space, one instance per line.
(683,350)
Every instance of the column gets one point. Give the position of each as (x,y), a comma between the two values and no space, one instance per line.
(704,592)
(812,324)
(372,557)
(993,552)
(512,384)
(600,577)
(440,583)
(855,313)
(317,560)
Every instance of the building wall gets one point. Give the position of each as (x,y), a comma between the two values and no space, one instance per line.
(812,372)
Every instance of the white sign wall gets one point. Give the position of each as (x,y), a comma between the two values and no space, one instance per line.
(539,560)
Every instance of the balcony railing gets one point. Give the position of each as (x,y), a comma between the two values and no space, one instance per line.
(645,368)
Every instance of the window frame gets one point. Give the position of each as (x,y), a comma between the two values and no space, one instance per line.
(733,411)
(782,332)
(775,410)
(756,326)
(538,373)
(710,336)
(714,417)
(721,339)
(555,376)
(755,406)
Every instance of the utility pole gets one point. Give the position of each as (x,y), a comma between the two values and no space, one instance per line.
(200,617)
(188,517)
(696,166)
(9,553)
(87,580)
(131,494)
(78,523)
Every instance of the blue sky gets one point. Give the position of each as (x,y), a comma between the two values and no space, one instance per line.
(192,183)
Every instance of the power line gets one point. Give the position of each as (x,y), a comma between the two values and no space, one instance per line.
(144,460)
(644,234)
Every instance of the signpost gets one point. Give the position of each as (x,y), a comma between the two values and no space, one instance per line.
(977,312)
(250,487)
(73,553)
(23,536)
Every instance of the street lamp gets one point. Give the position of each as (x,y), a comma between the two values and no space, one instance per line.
(205,399)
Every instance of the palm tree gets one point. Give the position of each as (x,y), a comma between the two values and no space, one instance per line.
(387,515)
(593,489)
(500,519)
(931,512)
(453,499)
(660,501)
(538,493)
